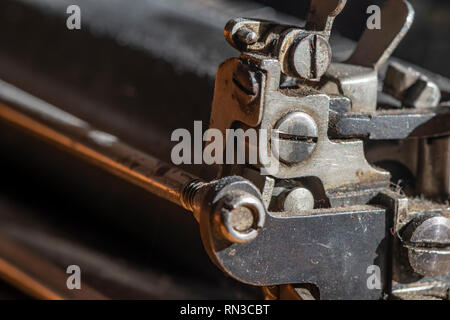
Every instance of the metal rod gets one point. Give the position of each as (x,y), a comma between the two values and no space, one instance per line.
(103,149)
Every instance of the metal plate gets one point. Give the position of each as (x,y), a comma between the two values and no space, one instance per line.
(332,251)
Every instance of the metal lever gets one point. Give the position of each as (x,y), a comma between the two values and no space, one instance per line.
(322,13)
(376,45)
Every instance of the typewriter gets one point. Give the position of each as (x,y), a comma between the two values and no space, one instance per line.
(171,149)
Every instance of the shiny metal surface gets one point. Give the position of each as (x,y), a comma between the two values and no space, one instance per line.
(329,187)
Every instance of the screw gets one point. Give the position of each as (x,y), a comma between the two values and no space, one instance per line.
(428,246)
(310,57)
(238,217)
(297,137)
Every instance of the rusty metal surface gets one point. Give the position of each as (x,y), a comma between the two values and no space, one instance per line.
(109,87)
(291,104)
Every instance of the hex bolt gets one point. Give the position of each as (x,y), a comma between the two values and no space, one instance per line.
(298,199)
(297,137)
(428,246)
(309,57)
(238,217)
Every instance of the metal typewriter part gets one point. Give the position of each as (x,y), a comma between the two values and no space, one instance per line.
(332,210)
(338,205)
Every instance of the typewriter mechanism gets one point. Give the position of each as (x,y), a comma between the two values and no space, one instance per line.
(348,197)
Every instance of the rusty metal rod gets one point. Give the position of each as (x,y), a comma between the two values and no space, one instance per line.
(103,149)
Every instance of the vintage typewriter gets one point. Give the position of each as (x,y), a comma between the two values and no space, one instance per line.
(346,195)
